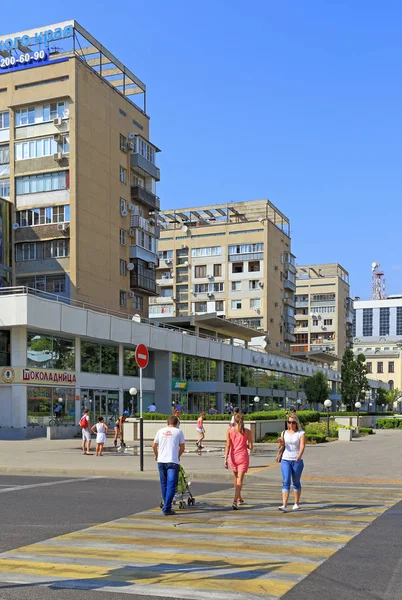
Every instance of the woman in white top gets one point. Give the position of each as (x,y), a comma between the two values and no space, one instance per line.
(101,431)
(294,441)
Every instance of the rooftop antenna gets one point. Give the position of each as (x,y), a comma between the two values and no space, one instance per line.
(377,282)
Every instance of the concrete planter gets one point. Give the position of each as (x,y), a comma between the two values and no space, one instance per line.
(345,435)
(62,432)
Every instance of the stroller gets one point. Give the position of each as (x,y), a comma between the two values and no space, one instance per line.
(183,491)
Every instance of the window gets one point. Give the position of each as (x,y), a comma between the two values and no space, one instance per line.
(99,359)
(219,305)
(54,284)
(43,216)
(255,303)
(123,298)
(236,305)
(369,366)
(380,366)
(123,174)
(44,182)
(123,237)
(5,358)
(4,120)
(25,116)
(301,338)
(368,322)
(165,254)
(136,180)
(137,124)
(144,148)
(237,267)
(384,321)
(200,288)
(122,112)
(144,240)
(391,367)
(52,111)
(322,309)
(4,154)
(236,286)
(200,307)
(41,147)
(215,287)
(327,321)
(315,322)
(123,143)
(253,284)
(123,268)
(138,303)
(200,271)
(210,251)
(399,320)
(245,248)
(25,251)
(217,270)
(4,188)
(253,266)
(123,205)
(56,249)
(50,352)
(24,86)
(322,297)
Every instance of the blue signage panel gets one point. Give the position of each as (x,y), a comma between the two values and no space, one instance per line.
(24,60)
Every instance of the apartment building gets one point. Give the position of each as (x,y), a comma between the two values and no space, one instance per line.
(324,315)
(78,167)
(377,333)
(234,260)
(5,243)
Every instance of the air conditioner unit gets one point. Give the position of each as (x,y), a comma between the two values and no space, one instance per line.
(260,283)
(173,298)
(131,146)
(210,294)
(130,294)
(124,213)
(66,113)
(123,147)
(191,291)
(62,227)
(58,122)
(210,276)
(132,135)
(58,156)
(151,265)
(131,206)
(184,246)
(132,232)
(58,137)
(168,261)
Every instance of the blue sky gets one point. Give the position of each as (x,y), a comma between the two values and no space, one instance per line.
(298,102)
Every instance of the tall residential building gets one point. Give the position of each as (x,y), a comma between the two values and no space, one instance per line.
(377,333)
(234,260)
(5,243)
(324,313)
(77,164)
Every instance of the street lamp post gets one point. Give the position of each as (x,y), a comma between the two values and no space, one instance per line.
(358,406)
(132,392)
(256,399)
(328,405)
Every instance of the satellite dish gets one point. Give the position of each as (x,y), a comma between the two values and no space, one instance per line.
(184,228)
(16,226)
(66,113)
(374,265)
(130,266)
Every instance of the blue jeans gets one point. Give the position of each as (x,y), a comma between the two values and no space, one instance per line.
(168,474)
(291,470)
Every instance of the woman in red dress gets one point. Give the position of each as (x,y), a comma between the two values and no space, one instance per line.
(238,444)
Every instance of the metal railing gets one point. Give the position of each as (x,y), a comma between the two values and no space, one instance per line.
(27,291)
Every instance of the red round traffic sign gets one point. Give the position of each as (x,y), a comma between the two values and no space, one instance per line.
(142,356)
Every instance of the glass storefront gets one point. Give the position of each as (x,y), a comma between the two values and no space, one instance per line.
(193,368)
(46,404)
(50,352)
(201,402)
(103,403)
(131,368)
(96,358)
(5,358)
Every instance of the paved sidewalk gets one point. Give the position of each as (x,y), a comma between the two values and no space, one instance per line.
(371,459)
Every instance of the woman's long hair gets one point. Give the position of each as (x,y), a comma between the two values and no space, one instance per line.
(294,418)
(239,420)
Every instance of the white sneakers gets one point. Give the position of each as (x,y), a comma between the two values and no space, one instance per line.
(285,508)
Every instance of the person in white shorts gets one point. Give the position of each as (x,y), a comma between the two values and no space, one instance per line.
(85,424)
(101,431)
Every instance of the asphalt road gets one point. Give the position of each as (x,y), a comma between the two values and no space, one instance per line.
(37,508)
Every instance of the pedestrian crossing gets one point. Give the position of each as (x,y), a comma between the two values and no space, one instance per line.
(206,551)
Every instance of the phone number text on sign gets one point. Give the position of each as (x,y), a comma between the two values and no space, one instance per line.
(13,62)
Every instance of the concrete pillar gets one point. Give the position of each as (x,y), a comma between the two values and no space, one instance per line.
(19,403)
(163,381)
(78,407)
(219,378)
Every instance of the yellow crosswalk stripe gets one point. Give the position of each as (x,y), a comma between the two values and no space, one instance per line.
(255,553)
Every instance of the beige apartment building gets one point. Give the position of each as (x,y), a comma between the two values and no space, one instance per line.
(324,313)
(234,260)
(79,169)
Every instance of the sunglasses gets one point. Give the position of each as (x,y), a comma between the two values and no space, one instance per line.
(292,423)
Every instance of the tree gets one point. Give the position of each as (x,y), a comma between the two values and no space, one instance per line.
(362,384)
(393,395)
(316,388)
(348,374)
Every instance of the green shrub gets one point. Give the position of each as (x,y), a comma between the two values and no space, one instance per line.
(316,438)
(321,428)
(271,437)
(388,423)
(367,430)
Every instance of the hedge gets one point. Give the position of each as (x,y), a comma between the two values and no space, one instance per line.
(389,423)
(305,416)
(353,414)
(317,438)
(368,430)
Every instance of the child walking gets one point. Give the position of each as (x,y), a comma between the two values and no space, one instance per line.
(200,431)
(101,431)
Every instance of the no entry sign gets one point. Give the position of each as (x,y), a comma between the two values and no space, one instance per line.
(142,356)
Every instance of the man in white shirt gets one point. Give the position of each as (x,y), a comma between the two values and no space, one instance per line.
(152,407)
(168,446)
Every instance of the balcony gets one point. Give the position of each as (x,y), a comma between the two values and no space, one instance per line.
(139,194)
(289,267)
(147,225)
(144,166)
(161,300)
(299,350)
(165,282)
(289,285)
(289,337)
(143,278)
(301,330)
(301,303)
(143,254)
(289,300)
(330,347)
(160,312)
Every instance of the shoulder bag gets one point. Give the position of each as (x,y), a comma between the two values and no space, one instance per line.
(281,449)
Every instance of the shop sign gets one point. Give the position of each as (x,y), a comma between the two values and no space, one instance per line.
(179,385)
(35,376)
(36,37)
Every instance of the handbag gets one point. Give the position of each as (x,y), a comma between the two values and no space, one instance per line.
(281,450)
